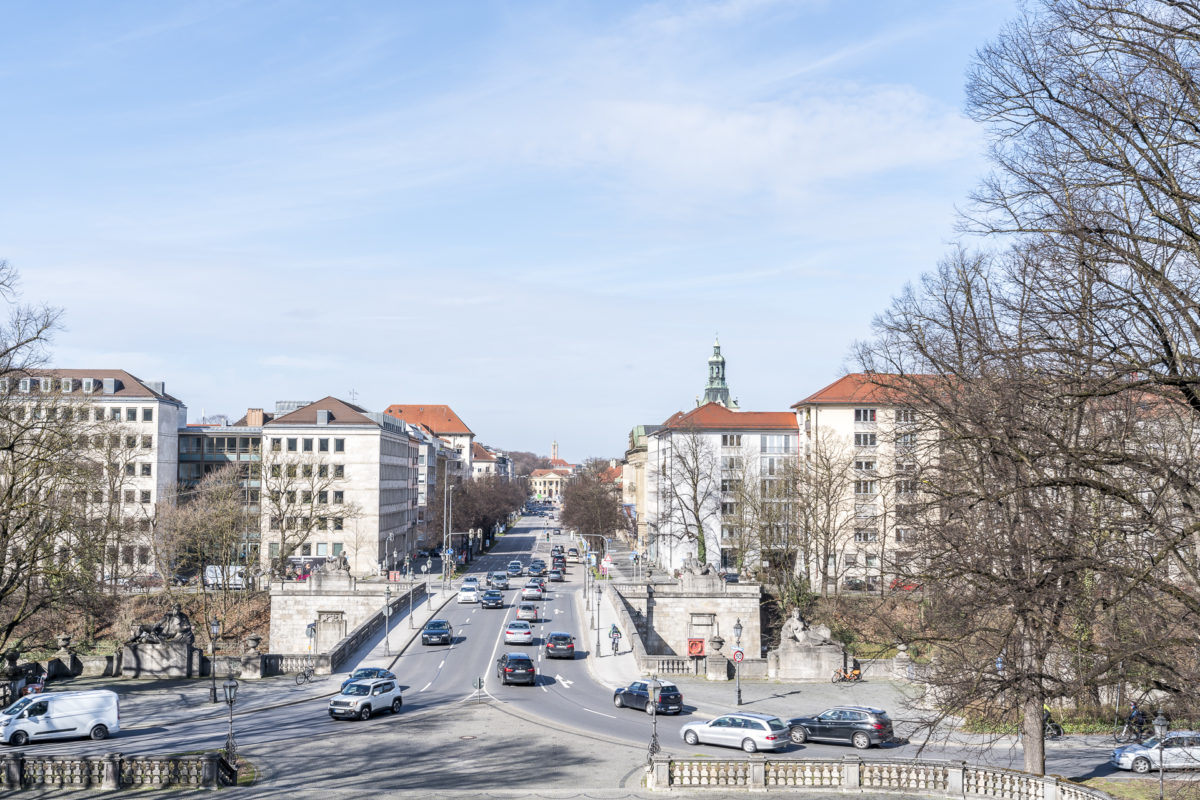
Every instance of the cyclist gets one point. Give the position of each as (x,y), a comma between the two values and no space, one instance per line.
(1045,714)
(615,634)
(1136,717)
(855,670)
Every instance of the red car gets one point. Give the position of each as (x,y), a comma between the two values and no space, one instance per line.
(902,585)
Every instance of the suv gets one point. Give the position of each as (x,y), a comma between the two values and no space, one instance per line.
(512,667)
(751,732)
(637,695)
(861,726)
(360,699)
(437,631)
(573,553)
(560,645)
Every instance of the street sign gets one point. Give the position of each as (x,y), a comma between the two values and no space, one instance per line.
(478,683)
(738,655)
(633,556)
(425,567)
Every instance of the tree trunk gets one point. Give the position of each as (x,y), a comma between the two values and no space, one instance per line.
(1032,736)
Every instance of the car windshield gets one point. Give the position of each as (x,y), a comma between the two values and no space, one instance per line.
(357,690)
(518,626)
(18,706)
(363,673)
(518,659)
(438,625)
(559,638)
(776,724)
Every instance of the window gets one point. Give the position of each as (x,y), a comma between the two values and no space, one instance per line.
(906,486)
(306,549)
(292,444)
(865,487)
(777,443)
(291,497)
(864,440)
(276,445)
(731,440)
(728,509)
(274,525)
(339,471)
(23,385)
(144,555)
(864,415)
(291,470)
(906,415)
(131,415)
(907,535)
(47,384)
(866,535)
(129,495)
(339,446)
(273,550)
(131,442)
(864,465)
(308,445)
(337,523)
(851,559)
(731,462)
(115,414)
(906,441)
(147,442)
(145,496)
(130,470)
(339,497)
(323,497)
(147,470)
(322,549)
(872,562)
(89,385)
(99,413)
(67,384)
(306,496)
(337,548)
(323,445)
(322,470)
(147,415)
(306,471)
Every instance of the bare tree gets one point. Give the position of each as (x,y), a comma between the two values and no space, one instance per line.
(687,478)
(301,494)
(592,506)
(825,510)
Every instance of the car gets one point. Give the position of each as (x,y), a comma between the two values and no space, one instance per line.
(518,632)
(471,580)
(537,569)
(515,568)
(854,585)
(491,599)
(902,585)
(749,731)
(361,699)
(637,695)
(538,581)
(92,714)
(469,594)
(560,645)
(516,668)
(366,674)
(559,563)
(497,580)
(729,577)
(556,549)
(861,726)
(437,631)
(532,592)
(556,575)
(573,553)
(1180,750)
(528,612)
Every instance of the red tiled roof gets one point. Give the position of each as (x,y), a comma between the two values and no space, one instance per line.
(439,419)
(859,387)
(127,385)
(558,462)
(340,413)
(480,453)
(714,416)
(537,473)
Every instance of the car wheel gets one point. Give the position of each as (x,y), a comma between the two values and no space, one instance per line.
(799,735)
(98,732)
(749,746)
(19,739)
(1141,765)
(617,701)
(396,705)
(861,741)
(365,713)
(691,738)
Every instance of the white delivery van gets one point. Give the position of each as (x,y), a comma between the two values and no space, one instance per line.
(231,577)
(60,715)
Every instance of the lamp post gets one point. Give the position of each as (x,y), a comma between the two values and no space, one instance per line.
(1161,726)
(231,687)
(387,618)
(597,585)
(737,664)
(214,630)
(655,687)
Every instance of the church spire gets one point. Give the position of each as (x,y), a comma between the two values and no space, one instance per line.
(717,391)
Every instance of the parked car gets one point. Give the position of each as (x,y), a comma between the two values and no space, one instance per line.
(515,668)
(469,593)
(361,699)
(854,585)
(437,631)
(515,568)
(1180,750)
(903,585)
(751,732)
(518,632)
(60,715)
(491,599)
(861,726)
(532,592)
(231,577)
(497,580)
(528,612)
(367,674)
(637,695)
(560,645)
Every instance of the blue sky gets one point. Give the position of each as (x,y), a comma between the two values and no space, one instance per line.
(537,212)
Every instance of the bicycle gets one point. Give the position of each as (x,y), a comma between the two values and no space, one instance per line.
(846,676)
(1051,730)
(1130,731)
(305,675)
(616,644)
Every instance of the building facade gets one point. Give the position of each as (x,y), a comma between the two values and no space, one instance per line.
(443,422)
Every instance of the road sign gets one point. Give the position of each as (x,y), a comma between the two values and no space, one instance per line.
(478,683)
(633,556)
(738,655)
(425,567)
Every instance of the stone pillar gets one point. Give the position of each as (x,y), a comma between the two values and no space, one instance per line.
(1049,788)
(954,779)
(758,772)
(852,768)
(660,776)
(112,771)
(717,667)
(14,770)
(331,629)
(209,778)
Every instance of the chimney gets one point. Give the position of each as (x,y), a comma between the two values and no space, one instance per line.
(322,416)
(254,417)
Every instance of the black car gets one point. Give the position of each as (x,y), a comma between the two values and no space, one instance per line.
(515,668)
(861,726)
(492,599)
(560,645)
(637,695)
(367,674)
(537,569)
(437,631)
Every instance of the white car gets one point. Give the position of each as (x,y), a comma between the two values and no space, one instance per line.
(471,580)
(532,592)
(469,594)
(60,715)
(518,632)
(361,699)
(1180,750)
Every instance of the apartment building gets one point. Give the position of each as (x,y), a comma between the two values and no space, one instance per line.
(436,459)
(444,423)
(871,440)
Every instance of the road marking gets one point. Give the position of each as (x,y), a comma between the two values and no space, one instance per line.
(426,686)
(563,681)
(442,664)
(590,711)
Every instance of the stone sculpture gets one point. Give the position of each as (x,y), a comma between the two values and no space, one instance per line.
(174,627)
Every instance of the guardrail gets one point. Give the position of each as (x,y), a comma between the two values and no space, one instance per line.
(112,771)
(939,778)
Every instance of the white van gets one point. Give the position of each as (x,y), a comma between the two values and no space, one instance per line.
(232,577)
(60,715)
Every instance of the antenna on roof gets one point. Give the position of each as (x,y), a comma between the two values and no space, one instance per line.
(353,396)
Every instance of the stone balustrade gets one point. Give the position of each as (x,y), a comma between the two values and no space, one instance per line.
(112,771)
(937,778)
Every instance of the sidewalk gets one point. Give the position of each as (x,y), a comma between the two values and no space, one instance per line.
(608,670)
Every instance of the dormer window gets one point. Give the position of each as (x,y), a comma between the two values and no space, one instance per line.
(89,385)
(47,384)
(67,385)
(24,385)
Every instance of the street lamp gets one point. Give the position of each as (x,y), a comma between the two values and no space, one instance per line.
(387,618)
(597,585)
(737,664)
(655,687)
(231,687)
(214,630)
(1161,726)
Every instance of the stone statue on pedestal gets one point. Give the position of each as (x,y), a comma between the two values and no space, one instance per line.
(174,627)
(796,632)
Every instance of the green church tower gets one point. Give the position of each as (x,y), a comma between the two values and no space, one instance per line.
(717,391)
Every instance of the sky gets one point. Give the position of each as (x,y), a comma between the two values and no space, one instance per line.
(539,213)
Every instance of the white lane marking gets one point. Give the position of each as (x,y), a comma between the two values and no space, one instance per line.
(590,711)
(563,681)
(426,686)
(442,664)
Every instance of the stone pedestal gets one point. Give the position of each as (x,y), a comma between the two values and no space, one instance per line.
(717,667)
(802,662)
(331,629)
(163,660)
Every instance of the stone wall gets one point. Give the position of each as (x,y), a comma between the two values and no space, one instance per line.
(666,615)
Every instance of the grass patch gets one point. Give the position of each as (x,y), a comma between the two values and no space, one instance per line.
(1140,789)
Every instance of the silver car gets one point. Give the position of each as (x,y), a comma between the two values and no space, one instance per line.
(1180,750)
(751,732)
(532,592)
(518,632)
